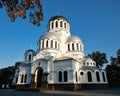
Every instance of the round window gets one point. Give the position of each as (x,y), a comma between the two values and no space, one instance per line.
(81,73)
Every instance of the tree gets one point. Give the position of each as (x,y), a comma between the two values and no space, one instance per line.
(6,75)
(113,70)
(20,8)
(99,58)
(118,56)
(116,60)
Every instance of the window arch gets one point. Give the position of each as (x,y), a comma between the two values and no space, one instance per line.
(77,46)
(61,24)
(98,76)
(103,75)
(29,57)
(73,46)
(80,47)
(25,78)
(47,44)
(89,76)
(76,76)
(56,23)
(52,24)
(68,47)
(51,43)
(65,25)
(42,44)
(60,76)
(56,44)
(22,77)
(65,76)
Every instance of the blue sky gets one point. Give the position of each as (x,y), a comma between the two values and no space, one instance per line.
(96,22)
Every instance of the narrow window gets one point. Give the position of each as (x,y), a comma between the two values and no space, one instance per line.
(60,23)
(80,47)
(77,46)
(29,58)
(72,46)
(68,47)
(47,44)
(22,79)
(98,76)
(76,76)
(56,23)
(60,76)
(103,75)
(89,76)
(51,43)
(42,44)
(56,44)
(52,24)
(65,25)
(25,78)
(65,76)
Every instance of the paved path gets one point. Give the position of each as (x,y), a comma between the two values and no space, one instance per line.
(110,92)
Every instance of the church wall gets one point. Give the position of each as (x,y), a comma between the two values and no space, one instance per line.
(61,66)
(24,70)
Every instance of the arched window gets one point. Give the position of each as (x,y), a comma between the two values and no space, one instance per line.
(65,76)
(47,44)
(80,47)
(42,44)
(60,23)
(22,77)
(65,24)
(73,46)
(98,76)
(89,76)
(51,43)
(56,23)
(52,25)
(25,78)
(68,47)
(76,76)
(29,57)
(56,44)
(60,76)
(77,46)
(103,75)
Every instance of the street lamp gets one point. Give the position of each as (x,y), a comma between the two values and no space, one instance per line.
(19,8)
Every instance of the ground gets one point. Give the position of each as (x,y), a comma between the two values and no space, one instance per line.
(109,92)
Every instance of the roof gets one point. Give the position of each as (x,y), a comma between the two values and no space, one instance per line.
(74,39)
(58,17)
(49,35)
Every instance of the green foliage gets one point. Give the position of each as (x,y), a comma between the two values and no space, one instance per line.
(99,58)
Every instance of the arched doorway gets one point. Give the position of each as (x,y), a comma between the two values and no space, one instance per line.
(39,75)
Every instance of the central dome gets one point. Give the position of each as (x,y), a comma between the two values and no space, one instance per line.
(58,18)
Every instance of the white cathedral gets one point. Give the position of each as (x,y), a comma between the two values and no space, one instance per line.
(59,62)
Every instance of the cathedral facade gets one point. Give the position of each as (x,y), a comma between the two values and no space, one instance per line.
(59,62)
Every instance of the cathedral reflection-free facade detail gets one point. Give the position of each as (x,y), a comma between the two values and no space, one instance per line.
(59,62)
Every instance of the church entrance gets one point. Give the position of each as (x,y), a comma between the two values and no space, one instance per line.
(39,76)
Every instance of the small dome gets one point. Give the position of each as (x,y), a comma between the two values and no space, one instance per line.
(49,35)
(58,18)
(30,50)
(74,39)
